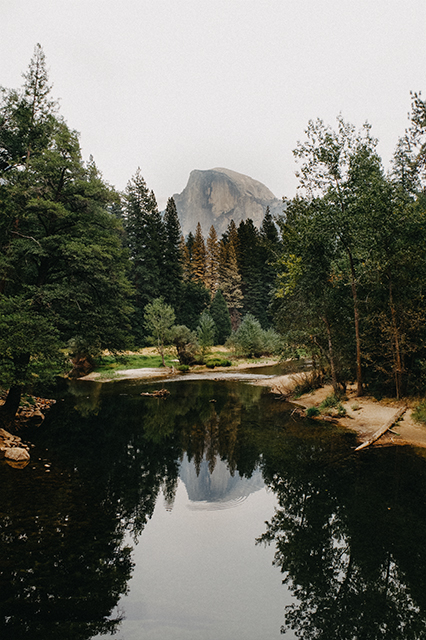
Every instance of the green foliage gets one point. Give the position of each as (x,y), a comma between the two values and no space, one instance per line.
(62,265)
(206,332)
(312,412)
(220,313)
(159,318)
(250,340)
(194,299)
(186,344)
(419,413)
(247,340)
(184,368)
(331,405)
(218,362)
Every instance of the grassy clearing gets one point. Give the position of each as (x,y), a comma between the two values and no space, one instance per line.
(109,364)
(148,358)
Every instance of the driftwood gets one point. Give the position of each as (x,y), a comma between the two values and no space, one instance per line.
(161,393)
(376,435)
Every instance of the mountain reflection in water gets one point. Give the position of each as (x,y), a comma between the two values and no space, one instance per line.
(217,489)
(124,513)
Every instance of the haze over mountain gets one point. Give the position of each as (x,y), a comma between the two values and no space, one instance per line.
(216,196)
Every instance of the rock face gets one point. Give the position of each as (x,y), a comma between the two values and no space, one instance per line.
(216,196)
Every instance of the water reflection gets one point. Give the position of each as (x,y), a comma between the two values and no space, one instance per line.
(349,540)
(348,534)
(217,489)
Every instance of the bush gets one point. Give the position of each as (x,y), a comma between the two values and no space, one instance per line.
(332,406)
(186,344)
(312,412)
(419,413)
(184,368)
(216,362)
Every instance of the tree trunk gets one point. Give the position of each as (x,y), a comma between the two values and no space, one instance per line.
(10,407)
(331,357)
(398,367)
(359,389)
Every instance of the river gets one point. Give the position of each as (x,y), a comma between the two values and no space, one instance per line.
(215,513)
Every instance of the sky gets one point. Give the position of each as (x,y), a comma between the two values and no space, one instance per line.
(175,85)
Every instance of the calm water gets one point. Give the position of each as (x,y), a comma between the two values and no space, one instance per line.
(213,514)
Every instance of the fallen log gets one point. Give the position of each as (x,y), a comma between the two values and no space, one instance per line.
(376,435)
(161,393)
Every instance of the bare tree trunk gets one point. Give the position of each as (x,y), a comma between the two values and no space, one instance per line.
(359,389)
(398,368)
(331,357)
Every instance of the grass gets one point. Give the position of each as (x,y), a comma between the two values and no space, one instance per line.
(332,406)
(109,364)
(419,413)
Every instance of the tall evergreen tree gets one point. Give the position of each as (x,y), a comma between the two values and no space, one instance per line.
(250,267)
(146,242)
(220,313)
(172,265)
(198,257)
(269,252)
(62,266)
(230,281)
(212,261)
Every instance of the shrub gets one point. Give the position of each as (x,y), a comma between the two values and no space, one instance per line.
(216,362)
(183,367)
(312,411)
(186,344)
(419,413)
(306,382)
(332,406)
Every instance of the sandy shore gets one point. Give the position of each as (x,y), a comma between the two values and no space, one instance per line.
(364,415)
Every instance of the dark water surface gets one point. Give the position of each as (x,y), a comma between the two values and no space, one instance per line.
(213,514)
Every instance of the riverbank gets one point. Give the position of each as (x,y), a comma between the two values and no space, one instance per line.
(364,415)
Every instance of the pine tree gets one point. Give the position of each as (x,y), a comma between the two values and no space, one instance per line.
(220,313)
(230,281)
(250,267)
(146,242)
(62,266)
(212,261)
(172,266)
(269,249)
(198,258)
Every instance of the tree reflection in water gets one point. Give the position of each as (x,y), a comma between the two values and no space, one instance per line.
(350,541)
(349,531)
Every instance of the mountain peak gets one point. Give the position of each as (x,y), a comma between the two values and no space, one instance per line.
(216,196)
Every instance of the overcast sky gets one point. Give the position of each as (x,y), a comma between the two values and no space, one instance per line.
(176,85)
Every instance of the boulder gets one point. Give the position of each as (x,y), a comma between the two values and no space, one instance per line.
(17,454)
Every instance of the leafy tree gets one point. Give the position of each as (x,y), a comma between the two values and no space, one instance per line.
(220,313)
(159,319)
(62,266)
(335,166)
(206,332)
(248,338)
(185,342)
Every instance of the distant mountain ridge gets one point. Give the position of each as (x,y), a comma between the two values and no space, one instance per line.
(216,196)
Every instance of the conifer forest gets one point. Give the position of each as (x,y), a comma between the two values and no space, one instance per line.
(339,277)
